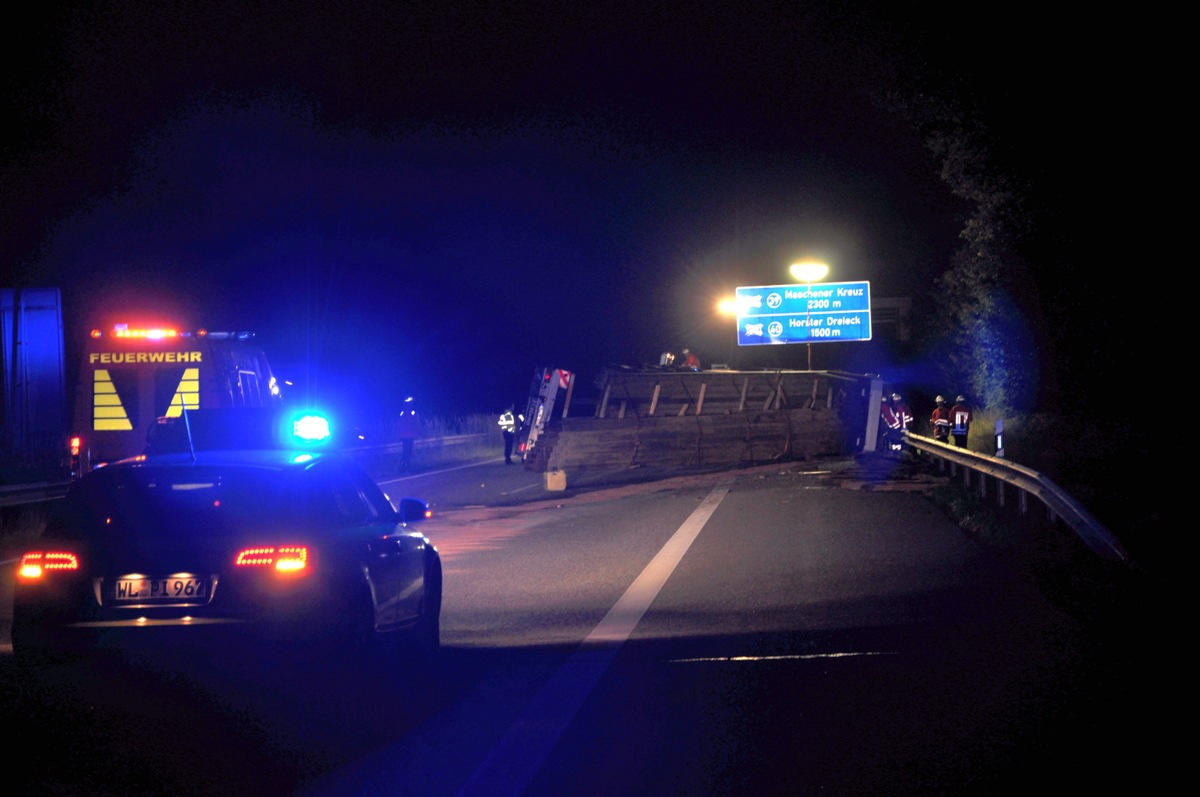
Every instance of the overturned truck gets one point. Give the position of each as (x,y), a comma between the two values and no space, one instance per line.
(679,418)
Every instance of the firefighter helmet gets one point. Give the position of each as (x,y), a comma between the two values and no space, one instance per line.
(940,399)
(961,399)
(895,397)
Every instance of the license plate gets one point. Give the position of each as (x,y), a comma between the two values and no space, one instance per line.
(160,589)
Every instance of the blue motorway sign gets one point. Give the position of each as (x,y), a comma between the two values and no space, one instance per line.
(821,312)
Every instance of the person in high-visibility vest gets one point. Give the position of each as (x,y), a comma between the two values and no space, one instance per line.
(889,426)
(408,429)
(903,414)
(960,421)
(903,417)
(508,425)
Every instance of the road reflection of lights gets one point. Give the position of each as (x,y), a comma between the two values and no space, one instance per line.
(788,658)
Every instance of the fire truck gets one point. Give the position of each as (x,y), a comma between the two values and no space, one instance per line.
(133,376)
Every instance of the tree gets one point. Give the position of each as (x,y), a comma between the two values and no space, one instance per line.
(985,310)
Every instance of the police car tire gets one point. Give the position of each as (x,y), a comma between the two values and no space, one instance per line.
(427,635)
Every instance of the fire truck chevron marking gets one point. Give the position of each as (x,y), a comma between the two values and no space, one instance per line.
(108,414)
(187,393)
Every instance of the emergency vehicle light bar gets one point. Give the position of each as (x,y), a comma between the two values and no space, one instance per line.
(311,428)
(161,333)
(154,333)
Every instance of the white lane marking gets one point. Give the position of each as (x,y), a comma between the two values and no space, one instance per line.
(618,624)
(512,764)
(787,657)
(522,489)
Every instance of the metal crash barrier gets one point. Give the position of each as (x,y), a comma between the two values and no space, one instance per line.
(20,494)
(977,468)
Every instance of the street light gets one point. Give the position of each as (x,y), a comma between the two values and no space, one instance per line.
(808,272)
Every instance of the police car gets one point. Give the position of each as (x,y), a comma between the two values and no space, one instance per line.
(232,521)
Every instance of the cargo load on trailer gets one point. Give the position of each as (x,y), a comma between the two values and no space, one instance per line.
(132,376)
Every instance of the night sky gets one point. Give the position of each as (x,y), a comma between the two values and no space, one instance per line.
(434,200)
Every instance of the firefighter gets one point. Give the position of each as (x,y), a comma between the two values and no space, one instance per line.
(508,425)
(889,426)
(960,421)
(409,428)
(903,414)
(941,420)
(690,361)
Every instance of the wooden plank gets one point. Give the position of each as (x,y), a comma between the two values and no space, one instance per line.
(570,391)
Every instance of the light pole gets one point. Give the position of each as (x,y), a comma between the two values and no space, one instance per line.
(808,272)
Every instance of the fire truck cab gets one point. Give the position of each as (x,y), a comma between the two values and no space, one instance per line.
(131,377)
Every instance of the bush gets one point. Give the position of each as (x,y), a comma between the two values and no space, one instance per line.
(1101,465)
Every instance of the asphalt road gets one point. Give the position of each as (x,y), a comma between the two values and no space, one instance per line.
(776,630)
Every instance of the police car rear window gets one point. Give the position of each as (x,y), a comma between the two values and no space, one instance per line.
(159,502)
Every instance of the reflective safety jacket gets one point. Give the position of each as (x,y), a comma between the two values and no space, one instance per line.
(960,417)
(507,422)
(941,422)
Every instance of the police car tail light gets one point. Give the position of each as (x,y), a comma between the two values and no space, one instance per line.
(280,558)
(36,565)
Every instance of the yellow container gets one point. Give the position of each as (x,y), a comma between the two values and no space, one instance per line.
(556,479)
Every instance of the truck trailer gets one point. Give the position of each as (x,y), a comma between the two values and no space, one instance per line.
(33,394)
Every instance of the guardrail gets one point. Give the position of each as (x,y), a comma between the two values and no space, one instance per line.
(421,443)
(16,495)
(1026,482)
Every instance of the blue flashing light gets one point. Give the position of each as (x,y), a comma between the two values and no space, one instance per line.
(311,429)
